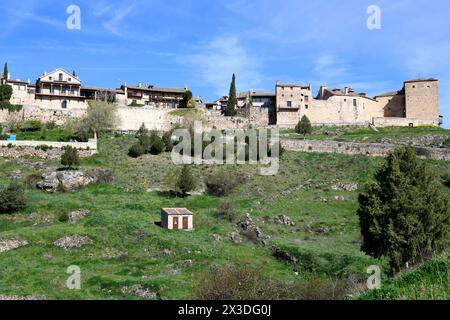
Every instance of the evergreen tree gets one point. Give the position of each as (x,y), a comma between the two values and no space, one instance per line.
(304,127)
(5,72)
(404,215)
(70,157)
(12,199)
(187,101)
(186,181)
(230,111)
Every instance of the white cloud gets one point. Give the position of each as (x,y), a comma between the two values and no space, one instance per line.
(218,59)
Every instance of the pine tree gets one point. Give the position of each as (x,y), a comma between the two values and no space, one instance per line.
(304,126)
(186,181)
(404,215)
(230,111)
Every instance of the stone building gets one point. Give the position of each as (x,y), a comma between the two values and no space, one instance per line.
(153,96)
(417,103)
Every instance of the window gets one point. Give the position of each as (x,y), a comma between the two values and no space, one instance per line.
(64,104)
(61,77)
(354,102)
(50,78)
(414,87)
(289,104)
(306,107)
(52,90)
(69,79)
(306,98)
(64,90)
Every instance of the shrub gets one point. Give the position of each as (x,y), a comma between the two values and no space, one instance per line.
(70,157)
(12,199)
(101,117)
(186,181)
(404,215)
(157,145)
(44,147)
(63,217)
(31,126)
(167,140)
(51,125)
(220,183)
(136,150)
(239,283)
(226,211)
(304,126)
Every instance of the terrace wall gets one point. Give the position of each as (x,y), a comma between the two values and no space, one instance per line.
(351,148)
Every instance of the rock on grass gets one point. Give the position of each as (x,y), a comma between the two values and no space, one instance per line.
(11,244)
(73,242)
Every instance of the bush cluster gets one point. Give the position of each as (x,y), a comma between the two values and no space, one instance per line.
(149,143)
(12,199)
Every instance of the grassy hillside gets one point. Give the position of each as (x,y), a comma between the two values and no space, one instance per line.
(430,281)
(128,248)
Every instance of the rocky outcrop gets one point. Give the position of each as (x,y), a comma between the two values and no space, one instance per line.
(284,220)
(138,290)
(71,180)
(73,242)
(76,216)
(11,244)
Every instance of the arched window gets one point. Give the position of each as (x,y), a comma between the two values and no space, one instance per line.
(64,104)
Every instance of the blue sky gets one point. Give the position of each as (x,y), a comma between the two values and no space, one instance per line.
(200,43)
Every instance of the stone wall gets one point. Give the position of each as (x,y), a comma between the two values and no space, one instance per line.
(59,116)
(55,153)
(351,148)
(91,145)
(399,122)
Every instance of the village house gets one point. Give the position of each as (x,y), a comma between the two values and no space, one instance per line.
(61,94)
(177,219)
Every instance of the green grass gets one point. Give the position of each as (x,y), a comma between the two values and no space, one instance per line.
(431,281)
(127,209)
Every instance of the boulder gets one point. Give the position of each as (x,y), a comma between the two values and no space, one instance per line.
(73,242)
(284,220)
(11,244)
(76,216)
(71,180)
(342,186)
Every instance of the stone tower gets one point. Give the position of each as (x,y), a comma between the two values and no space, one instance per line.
(422,100)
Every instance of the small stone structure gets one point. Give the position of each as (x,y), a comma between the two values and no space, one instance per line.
(177,219)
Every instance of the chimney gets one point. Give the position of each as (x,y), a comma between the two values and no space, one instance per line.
(346,90)
(322,90)
(140,84)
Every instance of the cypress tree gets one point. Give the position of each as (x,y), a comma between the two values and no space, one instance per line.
(404,215)
(5,72)
(232,99)
(304,126)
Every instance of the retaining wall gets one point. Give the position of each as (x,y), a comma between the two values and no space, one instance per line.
(368,149)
